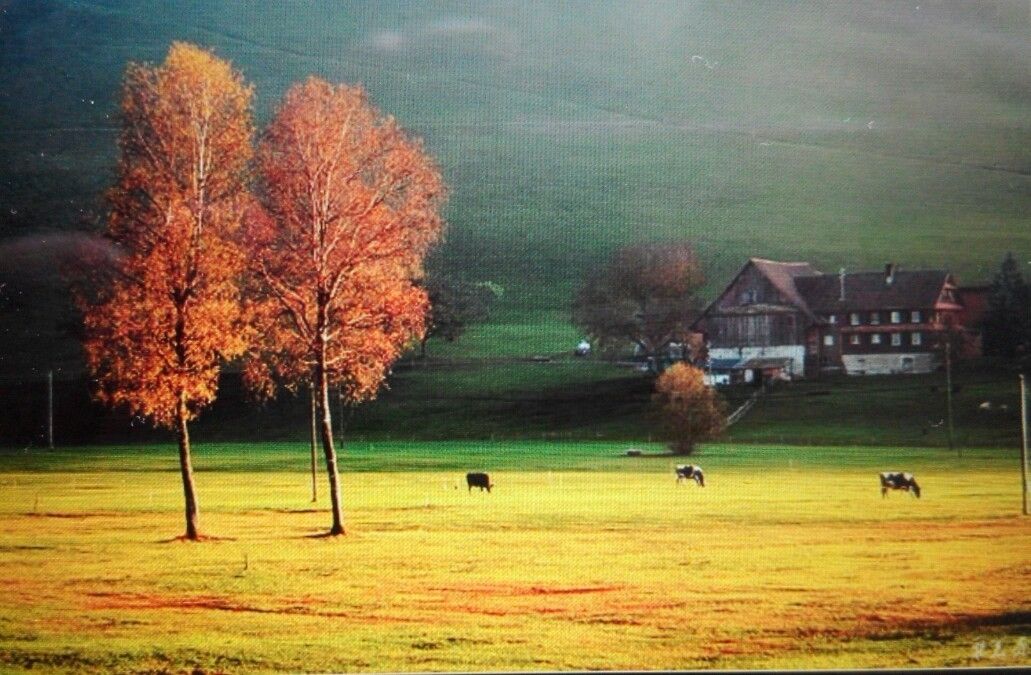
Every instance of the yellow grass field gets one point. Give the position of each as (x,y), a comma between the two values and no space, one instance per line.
(565,570)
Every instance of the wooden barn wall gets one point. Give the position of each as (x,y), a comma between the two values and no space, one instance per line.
(752,330)
(755,330)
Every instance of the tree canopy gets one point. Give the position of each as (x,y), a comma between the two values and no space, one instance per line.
(350,205)
(1007,323)
(166,314)
(645,295)
(454,305)
(690,410)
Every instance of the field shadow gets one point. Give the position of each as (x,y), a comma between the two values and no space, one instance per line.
(202,539)
(322,535)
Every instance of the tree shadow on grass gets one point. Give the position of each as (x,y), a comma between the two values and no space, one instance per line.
(323,535)
(199,540)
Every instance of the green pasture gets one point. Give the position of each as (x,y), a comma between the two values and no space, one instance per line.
(462,456)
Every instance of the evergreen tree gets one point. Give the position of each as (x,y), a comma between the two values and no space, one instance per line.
(1007,324)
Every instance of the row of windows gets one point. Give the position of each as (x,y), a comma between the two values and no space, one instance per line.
(874,318)
(915,339)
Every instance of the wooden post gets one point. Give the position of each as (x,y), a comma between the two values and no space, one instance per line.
(948,392)
(314,438)
(340,412)
(50,409)
(1025,441)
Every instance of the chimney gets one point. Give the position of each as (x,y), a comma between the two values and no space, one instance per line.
(889,274)
(841,279)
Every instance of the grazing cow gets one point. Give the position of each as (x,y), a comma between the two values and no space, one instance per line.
(480,480)
(690,472)
(898,480)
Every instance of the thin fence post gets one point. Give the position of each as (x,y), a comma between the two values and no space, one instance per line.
(1025,432)
(314,434)
(50,409)
(948,394)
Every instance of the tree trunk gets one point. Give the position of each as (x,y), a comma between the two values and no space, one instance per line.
(327,447)
(186,468)
(683,448)
(314,441)
(422,346)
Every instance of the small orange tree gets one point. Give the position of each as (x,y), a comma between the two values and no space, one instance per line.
(161,320)
(690,410)
(350,207)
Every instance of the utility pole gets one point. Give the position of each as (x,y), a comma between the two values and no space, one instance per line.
(50,409)
(948,392)
(1024,441)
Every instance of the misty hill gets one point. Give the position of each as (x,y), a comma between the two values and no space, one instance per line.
(838,133)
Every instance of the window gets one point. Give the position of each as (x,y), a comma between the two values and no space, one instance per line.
(854,339)
(875,318)
(896,317)
(875,339)
(915,317)
(833,318)
(896,339)
(828,340)
(916,339)
(854,318)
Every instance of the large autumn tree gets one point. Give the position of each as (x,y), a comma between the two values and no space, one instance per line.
(164,316)
(351,204)
(646,295)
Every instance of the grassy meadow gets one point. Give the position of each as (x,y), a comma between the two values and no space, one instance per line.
(580,558)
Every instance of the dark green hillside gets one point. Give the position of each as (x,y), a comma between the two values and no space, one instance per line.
(840,133)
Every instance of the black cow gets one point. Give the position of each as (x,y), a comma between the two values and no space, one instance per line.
(898,480)
(690,472)
(480,480)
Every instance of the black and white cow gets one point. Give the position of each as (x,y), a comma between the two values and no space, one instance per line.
(898,480)
(690,472)
(480,480)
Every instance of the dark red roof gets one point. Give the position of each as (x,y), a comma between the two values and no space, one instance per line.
(784,274)
(868,291)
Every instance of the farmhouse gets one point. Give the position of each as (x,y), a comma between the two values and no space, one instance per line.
(787,319)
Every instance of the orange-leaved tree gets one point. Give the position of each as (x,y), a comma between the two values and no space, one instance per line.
(350,206)
(165,315)
(691,411)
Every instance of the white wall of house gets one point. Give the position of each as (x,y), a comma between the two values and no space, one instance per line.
(888,364)
(717,380)
(796,353)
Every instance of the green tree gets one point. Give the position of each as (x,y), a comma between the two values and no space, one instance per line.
(1007,323)
(454,306)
